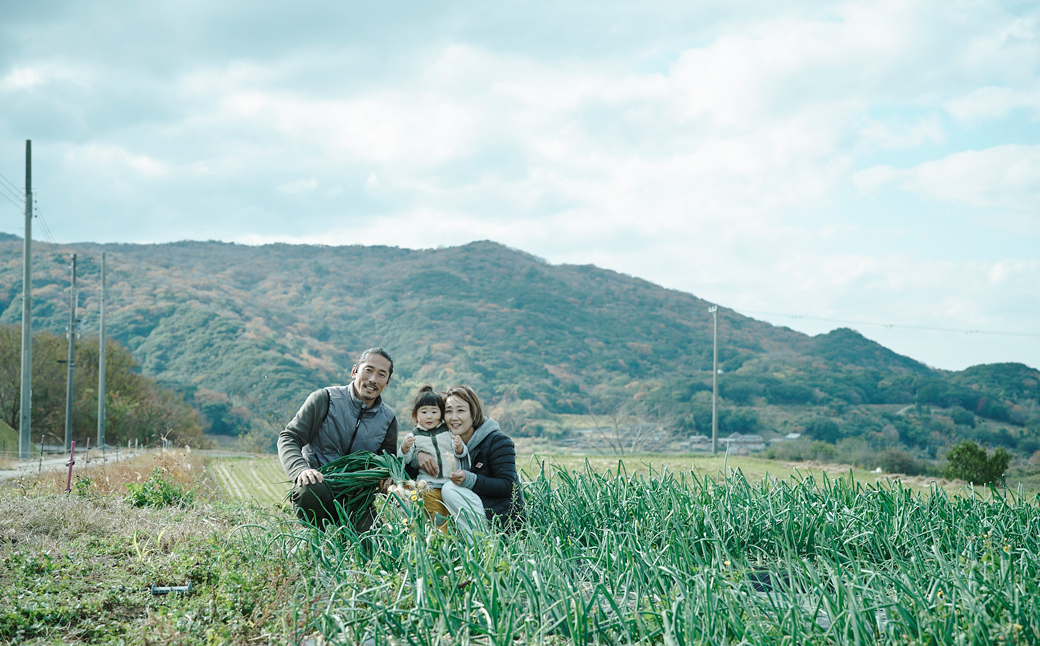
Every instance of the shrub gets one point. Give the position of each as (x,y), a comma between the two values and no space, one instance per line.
(854,451)
(968,461)
(897,461)
(802,449)
(157,491)
(823,452)
(962,417)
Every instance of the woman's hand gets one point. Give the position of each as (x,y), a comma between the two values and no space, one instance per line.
(458,477)
(409,440)
(427,463)
(459,446)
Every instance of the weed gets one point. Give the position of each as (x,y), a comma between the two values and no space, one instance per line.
(84,486)
(158,491)
(78,570)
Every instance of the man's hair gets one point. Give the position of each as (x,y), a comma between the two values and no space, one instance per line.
(427,397)
(466,394)
(381,352)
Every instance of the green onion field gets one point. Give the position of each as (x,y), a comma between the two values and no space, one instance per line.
(678,558)
(650,550)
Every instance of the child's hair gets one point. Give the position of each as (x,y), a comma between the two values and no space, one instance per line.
(427,397)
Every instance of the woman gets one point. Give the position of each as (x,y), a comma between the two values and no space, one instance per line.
(485,488)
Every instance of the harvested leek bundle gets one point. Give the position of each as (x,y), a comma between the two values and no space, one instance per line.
(354,479)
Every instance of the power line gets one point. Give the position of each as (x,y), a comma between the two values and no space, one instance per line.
(17,191)
(47,235)
(13,194)
(10,199)
(895,325)
(18,195)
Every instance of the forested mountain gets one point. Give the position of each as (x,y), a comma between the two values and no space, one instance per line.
(246,332)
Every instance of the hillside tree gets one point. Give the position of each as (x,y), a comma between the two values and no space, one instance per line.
(137,407)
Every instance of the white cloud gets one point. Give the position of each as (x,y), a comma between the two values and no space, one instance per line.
(998,177)
(33,77)
(993,103)
(112,159)
(298,186)
(903,135)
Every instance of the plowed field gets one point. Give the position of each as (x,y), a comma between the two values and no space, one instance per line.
(259,479)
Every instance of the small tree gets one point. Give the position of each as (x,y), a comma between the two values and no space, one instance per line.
(824,430)
(968,461)
(633,428)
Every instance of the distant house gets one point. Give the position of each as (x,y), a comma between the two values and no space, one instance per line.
(792,436)
(739,444)
(696,443)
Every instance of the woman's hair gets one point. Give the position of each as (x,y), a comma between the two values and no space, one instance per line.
(466,394)
(427,397)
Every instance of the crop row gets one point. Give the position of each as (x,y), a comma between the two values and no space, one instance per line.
(680,559)
(260,479)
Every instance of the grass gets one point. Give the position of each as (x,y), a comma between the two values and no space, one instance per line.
(78,567)
(654,556)
(8,444)
(79,570)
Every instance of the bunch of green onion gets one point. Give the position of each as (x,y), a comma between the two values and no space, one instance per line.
(355,478)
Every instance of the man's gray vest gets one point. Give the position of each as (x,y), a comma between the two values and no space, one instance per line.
(337,437)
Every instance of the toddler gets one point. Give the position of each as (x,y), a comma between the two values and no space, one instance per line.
(432,436)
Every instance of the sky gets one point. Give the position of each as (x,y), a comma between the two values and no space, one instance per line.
(873,165)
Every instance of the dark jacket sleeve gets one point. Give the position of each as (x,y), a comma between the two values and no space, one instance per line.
(498,476)
(389,444)
(301,431)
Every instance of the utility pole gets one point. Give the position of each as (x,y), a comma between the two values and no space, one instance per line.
(714,310)
(73,301)
(101,365)
(25,425)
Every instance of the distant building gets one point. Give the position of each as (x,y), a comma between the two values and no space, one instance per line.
(740,444)
(696,443)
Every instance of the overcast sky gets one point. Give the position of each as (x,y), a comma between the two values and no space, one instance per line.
(856,164)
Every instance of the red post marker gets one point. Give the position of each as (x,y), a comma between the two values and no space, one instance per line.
(72,452)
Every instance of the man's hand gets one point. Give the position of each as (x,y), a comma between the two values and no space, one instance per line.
(384,485)
(458,444)
(428,463)
(409,440)
(458,477)
(309,477)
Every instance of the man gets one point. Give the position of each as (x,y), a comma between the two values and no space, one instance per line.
(334,422)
